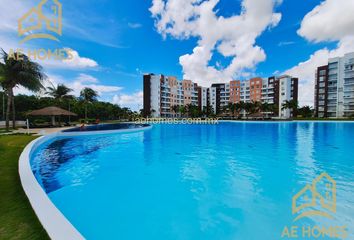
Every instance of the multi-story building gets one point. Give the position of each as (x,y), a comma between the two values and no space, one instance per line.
(162,93)
(334,88)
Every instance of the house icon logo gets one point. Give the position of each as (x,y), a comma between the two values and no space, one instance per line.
(317,199)
(42,21)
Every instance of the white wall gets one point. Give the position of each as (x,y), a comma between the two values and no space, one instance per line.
(284,95)
(155,95)
(18,123)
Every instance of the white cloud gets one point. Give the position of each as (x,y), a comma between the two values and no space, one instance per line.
(233,37)
(134,25)
(79,62)
(82,81)
(133,101)
(76,63)
(85,78)
(331,20)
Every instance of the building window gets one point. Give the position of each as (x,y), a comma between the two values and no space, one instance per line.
(323,72)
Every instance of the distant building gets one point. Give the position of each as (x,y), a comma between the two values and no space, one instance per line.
(162,93)
(334,88)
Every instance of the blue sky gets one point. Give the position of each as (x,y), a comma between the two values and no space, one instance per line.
(117,41)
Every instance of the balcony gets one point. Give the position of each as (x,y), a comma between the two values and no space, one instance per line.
(349,90)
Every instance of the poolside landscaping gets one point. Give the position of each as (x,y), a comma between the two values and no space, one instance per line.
(17,219)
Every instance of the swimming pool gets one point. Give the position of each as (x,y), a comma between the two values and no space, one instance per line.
(225,181)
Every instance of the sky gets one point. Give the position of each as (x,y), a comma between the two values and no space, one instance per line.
(114,42)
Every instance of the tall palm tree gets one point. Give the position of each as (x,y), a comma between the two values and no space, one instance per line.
(60,92)
(256,106)
(242,107)
(267,108)
(207,110)
(248,108)
(182,110)
(231,108)
(174,109)
(18,72)
(290,104)
(88,95)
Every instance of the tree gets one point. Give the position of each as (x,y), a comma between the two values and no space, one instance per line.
(267,108)
(231,107)
(182,110)
(292,104)
(305,111)
(256,106)
(241,106)
(174,109)
(60,92)
(207,110)
(88,95)
(192,110)
(18,72)
(248,108)
(152,111)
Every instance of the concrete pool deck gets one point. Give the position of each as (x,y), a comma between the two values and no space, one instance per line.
(41,131)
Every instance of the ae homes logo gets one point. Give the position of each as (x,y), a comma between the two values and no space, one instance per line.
(43,21)
(315,200)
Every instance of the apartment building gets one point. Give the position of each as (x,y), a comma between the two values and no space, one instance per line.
(162,93)
(334,88)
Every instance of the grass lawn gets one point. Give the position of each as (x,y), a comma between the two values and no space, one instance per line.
(17,219)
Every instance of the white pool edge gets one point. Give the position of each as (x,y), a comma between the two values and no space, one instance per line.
(102,132)
(57,226)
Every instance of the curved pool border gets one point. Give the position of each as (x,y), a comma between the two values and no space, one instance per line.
(57,226)
(100,132)
(53,221)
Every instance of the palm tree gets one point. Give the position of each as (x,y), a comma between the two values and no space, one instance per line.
(174,109)
(88,95)
(225,109)
(192,110)
(306,111)
(248,108)
(182,110)
(60,92)
(256,106)
(267,108)
(292,104)
(207,110)
(241,106)
(152,112)
(18,72)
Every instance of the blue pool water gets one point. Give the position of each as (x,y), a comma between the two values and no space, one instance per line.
(226,181)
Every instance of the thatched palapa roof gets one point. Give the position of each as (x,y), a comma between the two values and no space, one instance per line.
(51,111)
